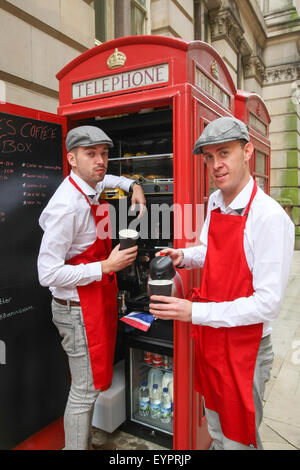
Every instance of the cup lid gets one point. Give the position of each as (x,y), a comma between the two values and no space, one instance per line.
(128,233)
(160,282)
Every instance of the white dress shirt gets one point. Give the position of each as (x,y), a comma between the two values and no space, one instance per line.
(69,228)
(268,244)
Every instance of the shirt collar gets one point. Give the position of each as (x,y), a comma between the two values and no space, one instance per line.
(240,201)
(86,188)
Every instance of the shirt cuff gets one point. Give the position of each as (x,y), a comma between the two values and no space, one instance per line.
(200,313)
(127,183)
(95,271)
(187,258)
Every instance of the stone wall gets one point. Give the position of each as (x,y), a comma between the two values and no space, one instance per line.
(281,93)
(37,39)
(173,18)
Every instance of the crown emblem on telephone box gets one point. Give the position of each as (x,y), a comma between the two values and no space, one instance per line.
(214,69)
(116,60)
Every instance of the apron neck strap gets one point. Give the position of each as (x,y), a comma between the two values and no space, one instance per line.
(80,190)
(254,191)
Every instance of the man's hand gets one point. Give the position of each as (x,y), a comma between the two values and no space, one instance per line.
(138,197)
(119,260)
(172,308)
(175,255)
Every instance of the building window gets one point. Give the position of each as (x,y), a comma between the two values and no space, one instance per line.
(201,21)
(138,16)
(100,20)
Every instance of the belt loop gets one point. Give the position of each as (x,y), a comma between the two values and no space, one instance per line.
(69,306)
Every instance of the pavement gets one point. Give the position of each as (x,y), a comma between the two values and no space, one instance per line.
(280,429)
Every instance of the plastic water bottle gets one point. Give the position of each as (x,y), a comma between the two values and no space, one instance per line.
(165,407)
(144,400)
(155,402)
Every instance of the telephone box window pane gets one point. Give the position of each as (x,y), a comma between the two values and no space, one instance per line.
(260,163)
(258,124)
(261,182)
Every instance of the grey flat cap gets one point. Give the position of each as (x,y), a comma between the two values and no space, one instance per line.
(84,136)
(224,129)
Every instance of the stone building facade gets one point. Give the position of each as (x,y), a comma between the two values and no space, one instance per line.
(259,40)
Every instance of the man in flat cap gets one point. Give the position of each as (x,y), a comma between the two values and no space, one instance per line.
(77,264)
(246,248)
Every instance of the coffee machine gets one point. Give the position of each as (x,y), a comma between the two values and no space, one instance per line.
(133,280)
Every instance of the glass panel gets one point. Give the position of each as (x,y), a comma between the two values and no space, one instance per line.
(143,168)
(261,182)
(258,124)
(204,83)
(143,146)
(147,407)
(260,163)
(137,20)
(100,20)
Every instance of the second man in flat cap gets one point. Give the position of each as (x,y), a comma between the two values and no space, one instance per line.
(246,249)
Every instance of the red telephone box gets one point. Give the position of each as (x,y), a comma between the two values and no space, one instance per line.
(251,109)
(131,75)
(166,90)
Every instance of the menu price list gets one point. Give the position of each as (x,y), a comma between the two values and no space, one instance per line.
(32,183)
(30,172)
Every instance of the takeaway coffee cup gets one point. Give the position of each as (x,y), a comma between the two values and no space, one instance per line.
(159,287)
(128,238)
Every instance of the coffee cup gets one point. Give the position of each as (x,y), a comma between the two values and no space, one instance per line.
(128,238)
(160,287)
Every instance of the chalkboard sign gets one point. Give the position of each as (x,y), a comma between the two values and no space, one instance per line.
(33,370)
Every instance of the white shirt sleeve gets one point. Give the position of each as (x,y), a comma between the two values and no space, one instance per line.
(112,181)
(59,231)
(194,256)
(273,245)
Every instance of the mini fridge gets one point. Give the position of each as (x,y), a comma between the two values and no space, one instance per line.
(149,359)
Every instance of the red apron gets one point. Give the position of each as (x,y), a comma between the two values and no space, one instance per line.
(98,301)
(225,357)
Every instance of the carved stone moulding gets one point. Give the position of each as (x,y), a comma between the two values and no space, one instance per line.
(282,73)
(225,24)
(254,68)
